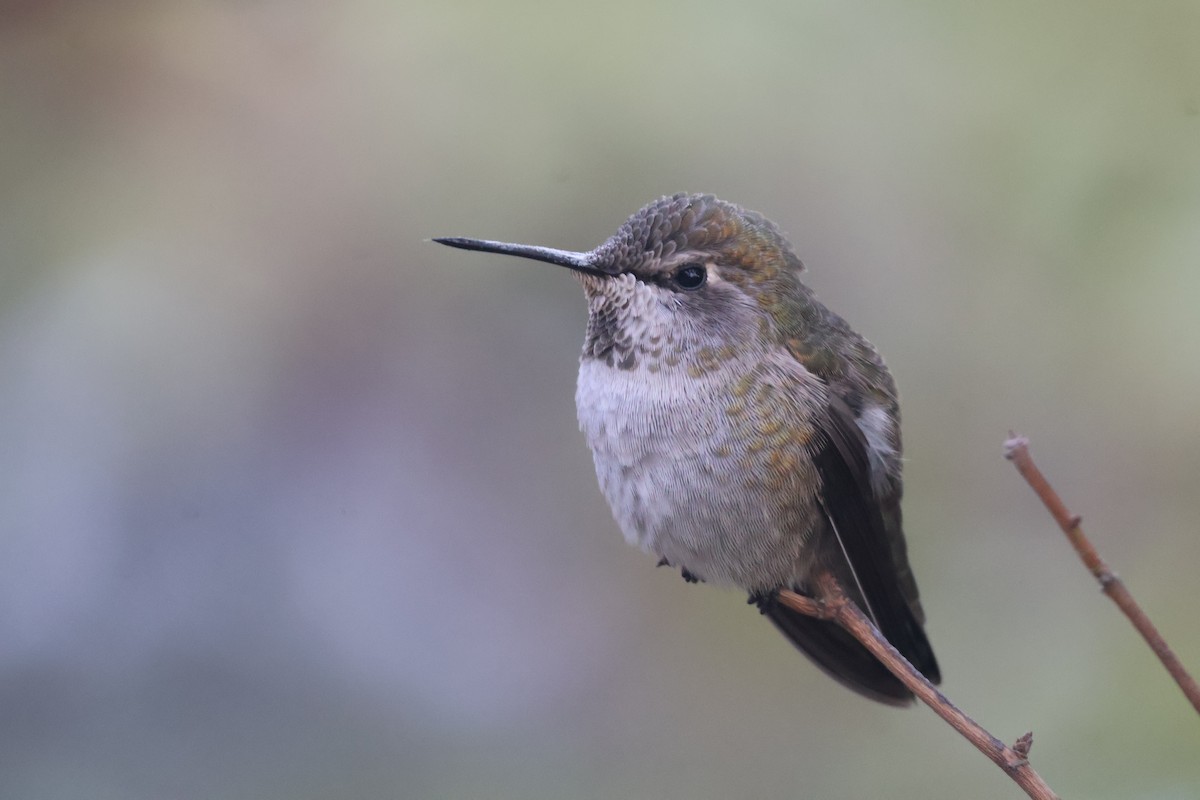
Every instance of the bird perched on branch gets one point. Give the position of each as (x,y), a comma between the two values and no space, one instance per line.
(741,431)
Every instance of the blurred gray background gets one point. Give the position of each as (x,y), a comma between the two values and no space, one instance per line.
(293,503)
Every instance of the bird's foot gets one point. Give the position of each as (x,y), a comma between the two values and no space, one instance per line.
(688,575)
(763,599)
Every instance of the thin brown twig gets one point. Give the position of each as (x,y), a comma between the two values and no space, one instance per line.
(1016,450)
(834,605)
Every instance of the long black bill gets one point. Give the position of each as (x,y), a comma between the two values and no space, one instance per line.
(580,262)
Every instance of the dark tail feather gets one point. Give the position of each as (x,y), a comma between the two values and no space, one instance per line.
(848,662)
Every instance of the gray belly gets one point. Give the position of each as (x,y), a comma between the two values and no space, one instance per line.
(728,496)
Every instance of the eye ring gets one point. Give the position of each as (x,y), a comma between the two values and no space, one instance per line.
(690,276)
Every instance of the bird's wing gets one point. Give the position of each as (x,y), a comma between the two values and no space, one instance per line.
(856,520)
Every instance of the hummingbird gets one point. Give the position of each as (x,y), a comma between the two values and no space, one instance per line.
(741,431)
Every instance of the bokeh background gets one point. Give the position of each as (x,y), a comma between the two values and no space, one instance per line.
(293,502)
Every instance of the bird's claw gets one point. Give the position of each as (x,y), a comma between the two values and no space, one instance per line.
(763,599)
(687,574)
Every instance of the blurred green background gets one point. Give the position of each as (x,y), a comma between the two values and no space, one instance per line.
(293,501)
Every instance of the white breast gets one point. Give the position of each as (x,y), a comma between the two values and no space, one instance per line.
(632,423)
(678,476)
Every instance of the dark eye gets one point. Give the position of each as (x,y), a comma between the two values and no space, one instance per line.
(690,276)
